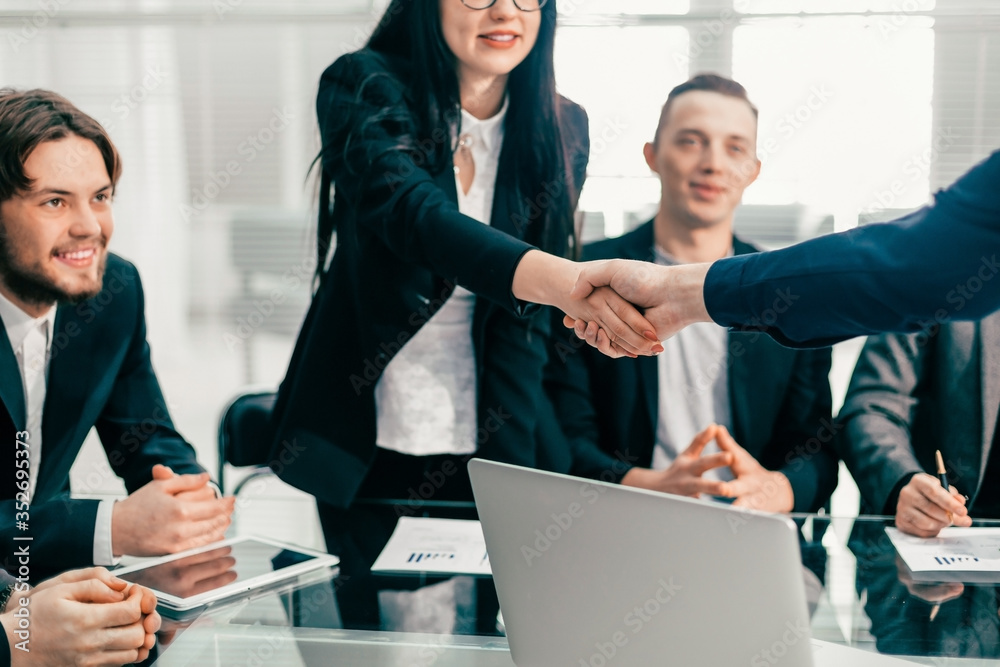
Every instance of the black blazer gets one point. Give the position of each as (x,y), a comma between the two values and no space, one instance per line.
(402,246)
(100,376)
(781,403)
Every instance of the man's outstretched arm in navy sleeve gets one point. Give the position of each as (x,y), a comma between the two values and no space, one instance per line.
(935,265)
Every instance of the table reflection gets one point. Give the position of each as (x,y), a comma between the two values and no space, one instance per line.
(371,619)
(403,603)
(920,619)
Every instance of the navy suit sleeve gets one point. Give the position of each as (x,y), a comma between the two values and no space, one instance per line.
(935,265)
(370,153)
(61,531)
(135,426)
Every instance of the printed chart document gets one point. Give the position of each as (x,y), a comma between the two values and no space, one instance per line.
(440,546)
(968,555)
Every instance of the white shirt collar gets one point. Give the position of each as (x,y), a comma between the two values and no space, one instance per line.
(18,323)
(488,131)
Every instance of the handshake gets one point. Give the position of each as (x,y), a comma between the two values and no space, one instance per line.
(602,300)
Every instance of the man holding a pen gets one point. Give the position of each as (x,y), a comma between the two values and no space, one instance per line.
(912,396)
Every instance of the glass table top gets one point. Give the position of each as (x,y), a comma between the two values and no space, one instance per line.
(859,595)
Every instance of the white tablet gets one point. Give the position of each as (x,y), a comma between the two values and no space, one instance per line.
(195,578)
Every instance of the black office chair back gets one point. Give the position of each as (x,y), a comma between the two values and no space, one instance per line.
(245,432)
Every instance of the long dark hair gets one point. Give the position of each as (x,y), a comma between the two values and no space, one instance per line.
(410,31)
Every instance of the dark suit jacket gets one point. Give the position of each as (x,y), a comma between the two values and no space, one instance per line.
(100,376)
(935,265)
(402,246)
(780,399)
(4,650)
(913,394)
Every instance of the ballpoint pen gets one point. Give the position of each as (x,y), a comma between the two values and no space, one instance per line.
(942,475)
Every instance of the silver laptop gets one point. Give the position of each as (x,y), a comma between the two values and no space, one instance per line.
(591,574)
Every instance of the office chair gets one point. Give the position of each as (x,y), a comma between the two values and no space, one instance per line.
(245,436)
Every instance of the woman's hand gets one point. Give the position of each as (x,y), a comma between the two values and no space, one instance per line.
(619,329)
(672,296)
(615,335)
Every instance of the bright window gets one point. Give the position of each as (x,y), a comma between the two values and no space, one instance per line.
(623,96)
(845,112)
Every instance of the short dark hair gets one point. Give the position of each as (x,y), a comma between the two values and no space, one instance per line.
(32,117)
(712,83)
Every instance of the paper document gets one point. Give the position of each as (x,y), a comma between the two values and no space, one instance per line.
(970,555)
(441,546)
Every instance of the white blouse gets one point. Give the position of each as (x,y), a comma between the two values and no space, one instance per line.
(425,400)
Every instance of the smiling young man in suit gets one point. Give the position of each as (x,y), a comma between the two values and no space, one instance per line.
(719,412)
(73,355)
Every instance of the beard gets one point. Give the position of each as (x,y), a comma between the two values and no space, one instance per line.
(34,287)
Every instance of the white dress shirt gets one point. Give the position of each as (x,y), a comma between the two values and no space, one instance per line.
(31,340)
(426,399)
(693,376)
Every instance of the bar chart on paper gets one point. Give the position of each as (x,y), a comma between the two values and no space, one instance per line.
(438,546)
(948,561)
(969,555)
(425,557)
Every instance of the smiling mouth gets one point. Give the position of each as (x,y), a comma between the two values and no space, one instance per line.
(76,258)
(502,38)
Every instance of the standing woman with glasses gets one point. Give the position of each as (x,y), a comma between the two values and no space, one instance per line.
(452,159)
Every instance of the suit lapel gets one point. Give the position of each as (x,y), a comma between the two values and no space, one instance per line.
(649,385)
(959,371)
(989,355)
(742,368)
(11,385)
(507,214)
(446,181)
(73,372)
(739,385)
(12,415)
(638,245)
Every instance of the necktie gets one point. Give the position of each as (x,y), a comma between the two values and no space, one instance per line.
(33,363)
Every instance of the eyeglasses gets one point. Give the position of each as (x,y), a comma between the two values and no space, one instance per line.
(523,5)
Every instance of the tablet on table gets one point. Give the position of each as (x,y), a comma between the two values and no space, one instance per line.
(228,569)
